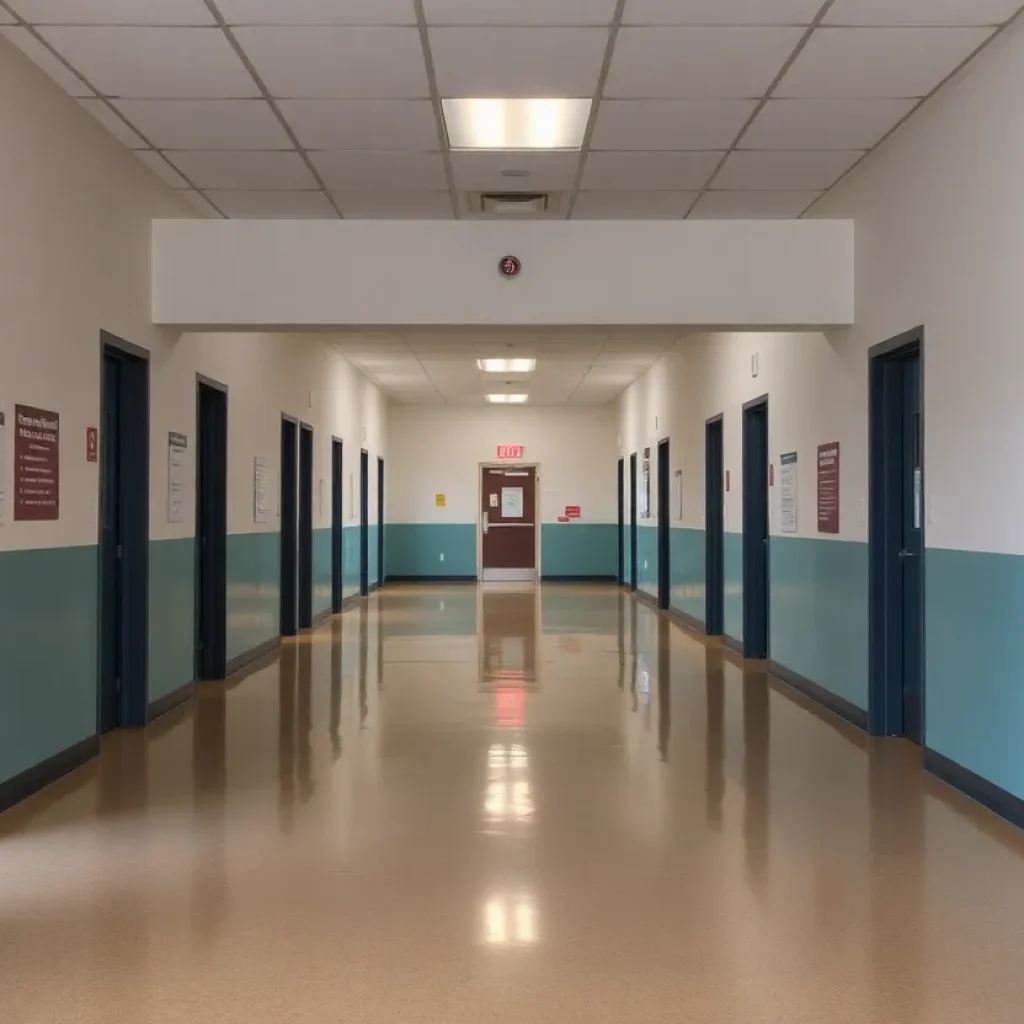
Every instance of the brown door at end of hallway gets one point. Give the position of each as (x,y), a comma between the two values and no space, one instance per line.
(509,523)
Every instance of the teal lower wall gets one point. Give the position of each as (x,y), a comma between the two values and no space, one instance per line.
(627,564)
(48,654)
(578,549)
(254,596)
(688,572)
(818,613)
(172,615)
(974,698)
(647,559)
(373,569)
(323,579)
(733,578)
(415,549)
(349,561)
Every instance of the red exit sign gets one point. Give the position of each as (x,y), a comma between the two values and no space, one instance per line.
(510,451)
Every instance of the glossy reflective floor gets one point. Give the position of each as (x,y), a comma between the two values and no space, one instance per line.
(499,805)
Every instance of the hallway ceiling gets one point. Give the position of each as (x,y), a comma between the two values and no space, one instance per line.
(326,108)
(577,367)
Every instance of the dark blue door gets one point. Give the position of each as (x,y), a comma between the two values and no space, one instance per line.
(364,523)
(664,525)
(111,546)
(305,526)
(755,530)
(911,549)
(289,528)
(632,521)
(714,536)
(337,538)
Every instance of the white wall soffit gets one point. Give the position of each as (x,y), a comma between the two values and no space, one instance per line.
(328,274)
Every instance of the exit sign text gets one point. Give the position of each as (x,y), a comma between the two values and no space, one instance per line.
(510,451)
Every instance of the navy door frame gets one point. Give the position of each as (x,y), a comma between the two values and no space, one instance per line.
(621,535)
(211,528)
(364,522)
(123,524)
(337,524)
(305,526)
(714,526)
(756,561)
(380,521)
(632,521)
(289,525)
(664,523)
(888,604)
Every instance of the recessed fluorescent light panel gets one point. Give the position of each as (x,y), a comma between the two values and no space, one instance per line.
(516,124)
(506,399)
(507,365)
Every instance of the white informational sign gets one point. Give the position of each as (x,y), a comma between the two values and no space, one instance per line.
(260,487)
(512,503)
(787,485)
(679,495)
(3,468)
(177,476)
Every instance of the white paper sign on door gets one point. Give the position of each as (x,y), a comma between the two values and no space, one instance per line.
(177,473)
(260,488)
(512,503)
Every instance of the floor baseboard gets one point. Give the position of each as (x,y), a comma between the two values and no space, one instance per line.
(240,661)
(430,579)
(38,777)
(988,794)
(816,692)
(552,578)
(169,701)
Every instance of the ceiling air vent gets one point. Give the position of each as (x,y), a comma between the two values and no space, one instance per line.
(514,204)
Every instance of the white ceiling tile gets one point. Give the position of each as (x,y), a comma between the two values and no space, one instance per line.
(698,63)
(200,203)
(789,170)
(114,12)
(363,124)
(546,172)
(395,205)
(244,170)
(825,124)
(670,124)
(481,62)
(206,124)
(161,168)
(632,205)
(163,63)
(752,205)
(318,12)
(46,61)
(878,62)
(631,171)
(114,124)
(337,63)
(721,12)
(274,204)
(522,12)
(381,171)
(922,12)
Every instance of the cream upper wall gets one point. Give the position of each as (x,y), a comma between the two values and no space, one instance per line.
(75,223)
(939,213)
(439,451)
(816,396)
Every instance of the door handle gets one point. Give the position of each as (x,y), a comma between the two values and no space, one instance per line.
(905,553)
(487,521)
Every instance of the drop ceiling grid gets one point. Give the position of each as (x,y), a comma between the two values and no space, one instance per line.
(443,366)
(248,105)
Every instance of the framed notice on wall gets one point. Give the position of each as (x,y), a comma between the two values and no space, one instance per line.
(645,486)
(260,489)
(788,487)
(36,464)
(177,476)
(828,488)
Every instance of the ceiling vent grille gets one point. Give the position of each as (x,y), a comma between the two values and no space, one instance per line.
(514,204)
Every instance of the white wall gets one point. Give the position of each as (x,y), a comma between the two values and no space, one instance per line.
(818,394)
(324,273)
(940,223)
(75,222)
(439,451)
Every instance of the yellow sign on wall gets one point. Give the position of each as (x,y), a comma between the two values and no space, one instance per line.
(439,500)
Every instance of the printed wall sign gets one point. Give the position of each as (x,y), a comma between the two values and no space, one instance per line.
(828,488)
(36,464)
(92,444)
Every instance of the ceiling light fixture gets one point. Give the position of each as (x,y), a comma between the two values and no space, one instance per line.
(504,399)
(507,365)
(516,123)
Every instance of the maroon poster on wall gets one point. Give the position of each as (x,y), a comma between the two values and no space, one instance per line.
(828,488)
(36,464)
